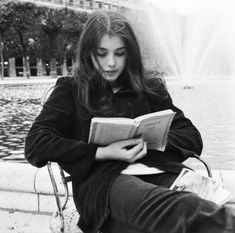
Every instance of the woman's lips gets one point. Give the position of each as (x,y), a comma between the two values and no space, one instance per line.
(111,72)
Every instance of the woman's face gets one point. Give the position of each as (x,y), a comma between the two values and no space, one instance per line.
(111,56)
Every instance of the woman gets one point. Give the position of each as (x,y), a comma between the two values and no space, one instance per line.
(110,81)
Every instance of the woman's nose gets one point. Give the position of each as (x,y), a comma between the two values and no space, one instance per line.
(111,61)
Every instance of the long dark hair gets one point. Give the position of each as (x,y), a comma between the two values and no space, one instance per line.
(92,87)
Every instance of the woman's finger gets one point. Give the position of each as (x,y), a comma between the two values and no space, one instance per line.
(136,149)
(142,153)
(130,142)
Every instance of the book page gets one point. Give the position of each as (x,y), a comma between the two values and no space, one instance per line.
(106,133)
(154,115)
(205,187)
(154,130)
(113,120)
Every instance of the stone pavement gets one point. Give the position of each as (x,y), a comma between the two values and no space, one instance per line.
(23,222)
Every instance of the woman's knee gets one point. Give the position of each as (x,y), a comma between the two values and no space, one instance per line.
(127,192)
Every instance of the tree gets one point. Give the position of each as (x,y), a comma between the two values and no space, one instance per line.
(73,23)
(62,28)
(5,22)
(24,24)
(35,32)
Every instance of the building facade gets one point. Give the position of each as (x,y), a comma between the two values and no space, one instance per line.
(89,5)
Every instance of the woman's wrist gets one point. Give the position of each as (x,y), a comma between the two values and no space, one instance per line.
(100,153)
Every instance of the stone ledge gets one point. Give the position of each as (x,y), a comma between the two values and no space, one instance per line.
(23,177)
(27,188)
(23,80)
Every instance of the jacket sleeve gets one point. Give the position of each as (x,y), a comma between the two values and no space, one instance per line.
(49,138)
(184,139)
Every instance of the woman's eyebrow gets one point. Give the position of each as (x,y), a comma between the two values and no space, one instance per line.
(121,48)
(100,48)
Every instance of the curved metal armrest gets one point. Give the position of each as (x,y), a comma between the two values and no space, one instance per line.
(65,181)
(205,164)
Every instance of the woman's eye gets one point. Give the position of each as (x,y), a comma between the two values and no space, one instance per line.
(100,54)
(120,54)
(104,54)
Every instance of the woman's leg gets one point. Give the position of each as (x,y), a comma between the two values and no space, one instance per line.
(138,206)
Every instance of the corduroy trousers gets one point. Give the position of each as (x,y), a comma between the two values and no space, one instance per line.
(144,204)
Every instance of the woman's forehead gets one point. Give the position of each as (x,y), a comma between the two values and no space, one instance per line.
(111,42)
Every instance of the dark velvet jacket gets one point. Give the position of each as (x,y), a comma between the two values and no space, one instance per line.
(60,134)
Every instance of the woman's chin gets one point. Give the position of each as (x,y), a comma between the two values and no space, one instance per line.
(111,79)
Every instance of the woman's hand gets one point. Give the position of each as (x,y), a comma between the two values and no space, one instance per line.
(128,150)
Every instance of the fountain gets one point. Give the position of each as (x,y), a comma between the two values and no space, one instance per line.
(189,45)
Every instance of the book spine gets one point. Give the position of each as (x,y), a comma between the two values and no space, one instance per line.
(92,132)
(134,130)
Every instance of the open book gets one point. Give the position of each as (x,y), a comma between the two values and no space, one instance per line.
(152,127)
(205,187)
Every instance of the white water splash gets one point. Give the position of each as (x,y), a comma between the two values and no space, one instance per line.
(193,41)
